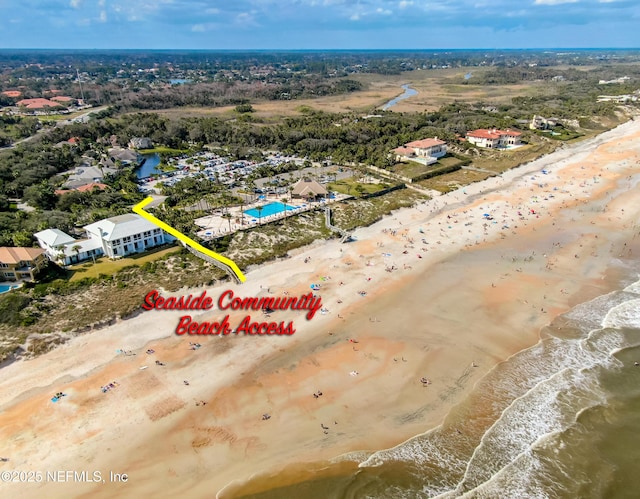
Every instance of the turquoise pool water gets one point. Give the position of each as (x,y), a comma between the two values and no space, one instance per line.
(7,287)
(270,209)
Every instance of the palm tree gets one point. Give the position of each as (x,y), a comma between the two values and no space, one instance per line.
(259,210)
(77,248)
(241,209)
(228,217)
(60,257)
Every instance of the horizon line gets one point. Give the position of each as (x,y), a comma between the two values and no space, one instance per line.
(319,49)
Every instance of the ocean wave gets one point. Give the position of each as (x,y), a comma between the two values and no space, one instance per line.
(626,314)
(549,408)
(633,288)
(588,316)
(519,407)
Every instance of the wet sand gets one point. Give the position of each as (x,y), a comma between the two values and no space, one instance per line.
(475,291)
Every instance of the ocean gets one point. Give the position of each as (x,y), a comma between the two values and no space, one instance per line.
(558,420)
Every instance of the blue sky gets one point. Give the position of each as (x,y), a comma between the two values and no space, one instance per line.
(317,24)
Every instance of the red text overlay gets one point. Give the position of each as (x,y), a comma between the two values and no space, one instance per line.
(228,301)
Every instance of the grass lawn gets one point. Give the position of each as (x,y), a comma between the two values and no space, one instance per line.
(166,168)
(106,266)
(449,161)
(413,169)
(454,180)
(348,186)
(409,169)
(500,161)
(163,150)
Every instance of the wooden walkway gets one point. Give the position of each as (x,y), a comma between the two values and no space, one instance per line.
(217,263)
(327,218)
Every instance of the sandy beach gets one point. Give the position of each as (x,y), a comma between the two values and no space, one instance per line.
(441,292)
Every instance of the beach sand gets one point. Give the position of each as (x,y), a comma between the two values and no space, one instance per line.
(450,293)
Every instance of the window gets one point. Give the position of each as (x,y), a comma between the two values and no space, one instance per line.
(137,237)
(4,266)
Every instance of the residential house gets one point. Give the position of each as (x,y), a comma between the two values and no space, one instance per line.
(83,188)
(308,189)
(14,94)
(38,103)
(114,237)
(426,151)
(542,123)
(125,156)
(126,234)
(18,263)
(140,143)
(494,138)
(64,249)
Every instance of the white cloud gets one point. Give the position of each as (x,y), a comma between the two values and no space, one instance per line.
(75,3)
(554,2)
(246,19)
(355,17)
(101,3)
(103,16)
(403,4)
(212,10)
(384,12)
(198,28)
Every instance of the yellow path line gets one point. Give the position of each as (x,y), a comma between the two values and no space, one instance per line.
(139,209)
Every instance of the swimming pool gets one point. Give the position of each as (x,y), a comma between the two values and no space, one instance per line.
(7,287)
(270,209)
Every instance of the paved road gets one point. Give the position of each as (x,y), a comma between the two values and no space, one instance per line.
(83,118)
(315,170)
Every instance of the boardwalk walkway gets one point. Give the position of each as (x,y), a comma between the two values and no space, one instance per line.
(327,217)
(217,263)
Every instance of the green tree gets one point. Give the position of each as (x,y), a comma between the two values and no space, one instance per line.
(259,210)
(21,238)
(77,248)
(41,196)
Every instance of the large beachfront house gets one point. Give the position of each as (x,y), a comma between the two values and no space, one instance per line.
(20,263)
(425,151)
(114,237)
(494,138)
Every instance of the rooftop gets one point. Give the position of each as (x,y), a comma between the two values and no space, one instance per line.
(15,255)
(120,226)
(54,237)
(493,133)
(426,143)
(37,103)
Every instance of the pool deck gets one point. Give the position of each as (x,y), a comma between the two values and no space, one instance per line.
(215,225)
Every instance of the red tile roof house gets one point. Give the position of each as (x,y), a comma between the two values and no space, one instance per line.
(425,151)
(12,93)
(494,138)
(18,263)
(61,98)
(38,103)
(83,188)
